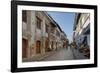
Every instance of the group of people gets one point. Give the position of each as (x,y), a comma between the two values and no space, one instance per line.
(83,48)
(73,45)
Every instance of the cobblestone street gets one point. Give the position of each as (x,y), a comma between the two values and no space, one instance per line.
(61,54)
(65,54)
(77,54)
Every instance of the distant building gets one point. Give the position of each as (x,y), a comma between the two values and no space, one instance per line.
(81,34)
(40,34)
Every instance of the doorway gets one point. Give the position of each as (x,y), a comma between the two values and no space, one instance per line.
(38,47)
(24,48)
(46,45)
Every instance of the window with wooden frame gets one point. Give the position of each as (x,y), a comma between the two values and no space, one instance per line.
(57,33)
(46,28)
(38,22)
(24,16)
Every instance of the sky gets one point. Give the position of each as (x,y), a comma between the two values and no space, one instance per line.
(65,20)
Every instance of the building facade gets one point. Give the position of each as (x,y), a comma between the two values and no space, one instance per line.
(40,34)
(81,34)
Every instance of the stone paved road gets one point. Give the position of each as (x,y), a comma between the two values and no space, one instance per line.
(77,54)
(63,54)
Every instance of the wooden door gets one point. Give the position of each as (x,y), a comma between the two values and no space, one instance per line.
(38,46)
(24,48)
(46,45)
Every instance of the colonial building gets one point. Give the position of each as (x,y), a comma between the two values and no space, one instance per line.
(81,34)
(82,28)
(40,34)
